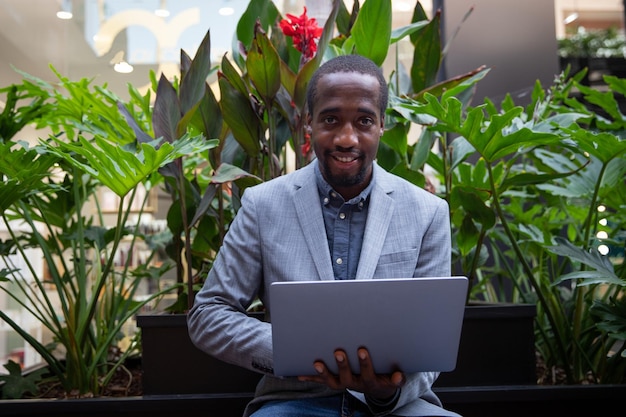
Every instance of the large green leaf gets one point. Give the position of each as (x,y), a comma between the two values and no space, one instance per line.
(601,270)
(474,205)
(122,170)
(23,171)
(605,146)
(13,118)
(263,11)
(426,55)
(372,30)
(263,65)
(400,33)
(396,138)
(240,117)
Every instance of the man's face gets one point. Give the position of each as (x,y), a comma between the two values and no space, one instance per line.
(346,126)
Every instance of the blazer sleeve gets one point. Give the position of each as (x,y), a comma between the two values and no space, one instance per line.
(218,323)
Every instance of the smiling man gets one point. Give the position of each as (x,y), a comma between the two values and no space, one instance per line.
(340,217)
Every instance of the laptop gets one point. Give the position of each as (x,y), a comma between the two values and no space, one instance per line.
(408,324)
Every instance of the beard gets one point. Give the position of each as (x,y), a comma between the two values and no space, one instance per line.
(344,180)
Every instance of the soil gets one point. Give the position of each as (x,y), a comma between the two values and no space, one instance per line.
(125,383)
(553,375)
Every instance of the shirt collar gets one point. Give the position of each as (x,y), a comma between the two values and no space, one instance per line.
(326,190)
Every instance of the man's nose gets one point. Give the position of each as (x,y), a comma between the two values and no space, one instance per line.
(347,136)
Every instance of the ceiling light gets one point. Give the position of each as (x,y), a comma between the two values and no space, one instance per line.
(162,12)
(66,10)
(570,18)
(123,67)
(61,14)
(119,65)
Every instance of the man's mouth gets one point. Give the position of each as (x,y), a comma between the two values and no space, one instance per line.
(345,158)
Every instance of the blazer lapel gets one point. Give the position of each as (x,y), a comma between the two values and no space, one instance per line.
(379,216)
(309,212)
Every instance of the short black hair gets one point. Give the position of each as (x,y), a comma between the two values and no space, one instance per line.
(349,63)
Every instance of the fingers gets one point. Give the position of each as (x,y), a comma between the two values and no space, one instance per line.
(365,363)
(323,376)
(344,372)
(342,380)
(367,381)
(397,379)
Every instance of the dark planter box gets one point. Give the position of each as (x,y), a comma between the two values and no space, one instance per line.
(597,68)
(171,364)
(226,389)
(496,348)
(509,401)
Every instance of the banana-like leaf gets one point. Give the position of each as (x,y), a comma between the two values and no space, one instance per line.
(426,55)
(167,112)
(372,30)
(263,65)
(240,117)
(263,11)
(194,80)
(408,30)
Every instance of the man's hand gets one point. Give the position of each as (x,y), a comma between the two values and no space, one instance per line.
(382,386)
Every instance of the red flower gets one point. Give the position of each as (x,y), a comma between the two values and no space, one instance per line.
(303,31)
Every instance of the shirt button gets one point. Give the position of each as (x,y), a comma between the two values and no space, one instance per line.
(333,195)
(342,216)
(326,200)
(339,261)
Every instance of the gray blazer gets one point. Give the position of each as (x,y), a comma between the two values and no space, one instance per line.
(279,235)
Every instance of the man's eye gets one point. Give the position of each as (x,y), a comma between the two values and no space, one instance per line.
(367,122)
(329,119)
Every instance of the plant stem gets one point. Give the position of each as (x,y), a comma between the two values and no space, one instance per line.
(527,270)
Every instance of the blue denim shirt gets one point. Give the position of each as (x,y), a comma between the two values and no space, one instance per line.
(345,225)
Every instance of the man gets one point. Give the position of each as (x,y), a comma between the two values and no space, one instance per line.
(340,217)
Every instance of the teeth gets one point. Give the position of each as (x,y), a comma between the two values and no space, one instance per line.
(344,159)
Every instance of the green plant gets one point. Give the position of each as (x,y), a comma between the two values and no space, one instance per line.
(17,384)
(50,201)
(524,185)
(603,43)
(259,117)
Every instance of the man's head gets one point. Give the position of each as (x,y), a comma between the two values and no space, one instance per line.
(347,98)
(349,63)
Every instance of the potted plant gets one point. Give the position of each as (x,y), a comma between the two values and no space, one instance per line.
(602,52)
(52,202)
(495,167)
(158,331)
(529,200)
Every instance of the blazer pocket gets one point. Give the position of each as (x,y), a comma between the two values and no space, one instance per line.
(396,264)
